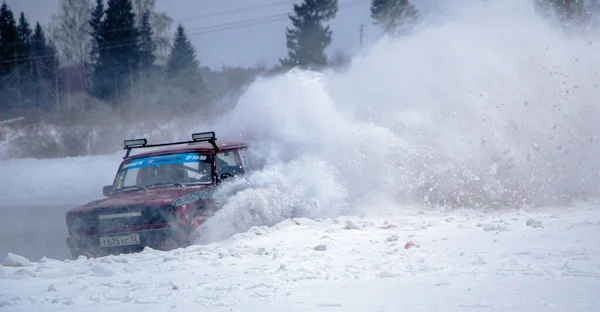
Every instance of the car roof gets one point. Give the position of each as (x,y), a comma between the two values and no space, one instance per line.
(190,147)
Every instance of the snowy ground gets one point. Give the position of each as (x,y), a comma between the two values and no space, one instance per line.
(547,260)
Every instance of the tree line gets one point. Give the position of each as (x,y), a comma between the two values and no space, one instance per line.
(105,51)
(122,55)
(109,51)
(28,64)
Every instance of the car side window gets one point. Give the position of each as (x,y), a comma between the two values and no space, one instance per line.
(227,163)
(130,177)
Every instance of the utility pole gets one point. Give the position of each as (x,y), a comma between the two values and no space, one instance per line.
(361,33)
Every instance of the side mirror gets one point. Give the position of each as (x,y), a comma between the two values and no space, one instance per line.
(106,190)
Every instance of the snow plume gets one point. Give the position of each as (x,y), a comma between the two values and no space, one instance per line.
(305,187)
(489,106)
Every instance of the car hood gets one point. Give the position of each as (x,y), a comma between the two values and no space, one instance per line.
(151,197)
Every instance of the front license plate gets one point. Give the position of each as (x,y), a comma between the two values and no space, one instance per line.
(121,240)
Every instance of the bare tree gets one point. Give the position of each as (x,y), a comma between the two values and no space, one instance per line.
(160,23)
(70,30)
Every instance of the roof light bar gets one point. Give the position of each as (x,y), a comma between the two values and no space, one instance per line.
(136,143)
(206,137)
(203,136)
(196,137)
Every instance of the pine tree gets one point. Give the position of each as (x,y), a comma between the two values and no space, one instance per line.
(9,40)
(309,37)
(38,50)
(24,32)
(183,69)
(147,57)
(394,16)
(99,84)
(118,52)
(182,59)
(45,67)
(147,46)
(25,80)
(95,22)
(9,46)
(160,23)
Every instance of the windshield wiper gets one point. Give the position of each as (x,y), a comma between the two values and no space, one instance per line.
(132,187)
(196,183)
(166,184)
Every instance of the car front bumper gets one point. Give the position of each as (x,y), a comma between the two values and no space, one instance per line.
(162,239)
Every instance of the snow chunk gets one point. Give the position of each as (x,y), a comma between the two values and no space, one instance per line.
(261,251)
(387,225)
(320,248)
(496,226)
(351,225)
(386,274)
(17,261)
(393,238)
(534,223)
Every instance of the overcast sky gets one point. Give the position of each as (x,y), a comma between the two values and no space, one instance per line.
(243,45)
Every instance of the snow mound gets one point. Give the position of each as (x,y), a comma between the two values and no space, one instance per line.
(13,260)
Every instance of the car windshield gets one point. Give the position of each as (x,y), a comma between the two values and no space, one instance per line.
(164,170)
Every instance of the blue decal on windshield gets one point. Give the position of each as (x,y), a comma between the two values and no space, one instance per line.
(164,160)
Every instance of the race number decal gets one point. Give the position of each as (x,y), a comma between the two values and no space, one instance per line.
(165,160)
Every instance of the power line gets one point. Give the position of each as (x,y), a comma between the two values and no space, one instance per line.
(209,15)
(233,11)
(240,10)
(221,13)
(200,30)
(201,16)
(191,32)
(252,21)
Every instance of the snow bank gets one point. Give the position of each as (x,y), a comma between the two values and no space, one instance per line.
(341,264)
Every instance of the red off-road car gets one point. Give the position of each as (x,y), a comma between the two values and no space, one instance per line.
(158,198)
